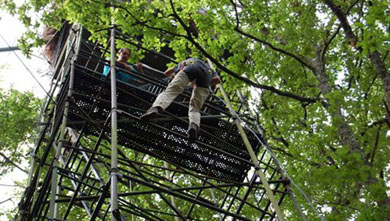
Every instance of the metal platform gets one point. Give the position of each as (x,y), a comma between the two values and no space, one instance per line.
(162,175)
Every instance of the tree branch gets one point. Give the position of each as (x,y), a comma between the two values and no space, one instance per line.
(329,41)
(124,38)
(369,87)
(216,62)
(280,139)
(11,162)
(345,204)
(237,28)
(9,199)
(282,151)
(385,56)
(387,113)
(375,56)
(144,23)
(343,21)
(378,63)
(371,161)
(237,76)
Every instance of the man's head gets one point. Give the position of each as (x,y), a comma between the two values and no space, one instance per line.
(124,54)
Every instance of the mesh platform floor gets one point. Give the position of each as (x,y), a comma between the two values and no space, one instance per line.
(219,151)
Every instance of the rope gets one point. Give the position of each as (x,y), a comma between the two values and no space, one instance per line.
(25,66)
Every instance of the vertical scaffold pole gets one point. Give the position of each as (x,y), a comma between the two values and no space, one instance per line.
(289,190)
(114,135)
(168,176)
(252,154)
(53,208)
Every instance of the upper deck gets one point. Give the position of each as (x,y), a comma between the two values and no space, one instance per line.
(218,152)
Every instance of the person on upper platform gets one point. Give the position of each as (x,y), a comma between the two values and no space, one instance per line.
(201,76)
(124,56)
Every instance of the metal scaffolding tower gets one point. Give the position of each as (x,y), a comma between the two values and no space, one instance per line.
(160,174)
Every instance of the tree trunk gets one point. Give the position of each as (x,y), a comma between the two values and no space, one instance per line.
(347,138)
(381,70)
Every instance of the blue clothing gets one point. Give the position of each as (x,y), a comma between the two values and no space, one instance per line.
(121,75)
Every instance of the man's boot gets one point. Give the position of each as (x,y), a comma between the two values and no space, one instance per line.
(193,131)
(151,113)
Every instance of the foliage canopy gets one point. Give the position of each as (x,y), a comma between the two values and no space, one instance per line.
(18,111)
(320,70)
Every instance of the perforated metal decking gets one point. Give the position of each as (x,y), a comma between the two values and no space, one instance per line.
(163,176)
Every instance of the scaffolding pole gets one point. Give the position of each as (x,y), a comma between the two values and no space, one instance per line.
(168,177)
(289,190)
(251,153)
(53,209)
(114,134)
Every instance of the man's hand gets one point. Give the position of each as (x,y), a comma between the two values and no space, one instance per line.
(169,72)
(123,65)
(182,65)
(139,67)
(192,84)
(215,80)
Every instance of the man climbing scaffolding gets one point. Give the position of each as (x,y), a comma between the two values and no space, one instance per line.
(201,77)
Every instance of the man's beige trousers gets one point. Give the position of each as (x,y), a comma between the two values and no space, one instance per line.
(177,85)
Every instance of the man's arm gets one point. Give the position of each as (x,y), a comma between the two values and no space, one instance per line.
(127,67)
(139,67)
(172,71)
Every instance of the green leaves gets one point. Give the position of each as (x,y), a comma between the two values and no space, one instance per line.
(18,113)
(297,47)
